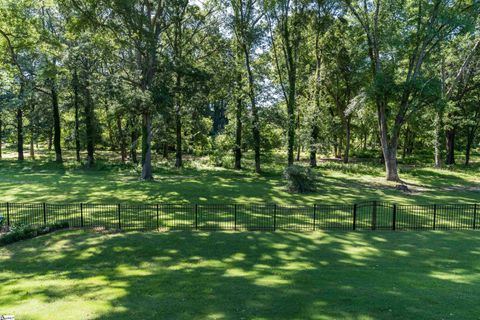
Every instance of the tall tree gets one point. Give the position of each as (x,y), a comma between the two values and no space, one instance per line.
(398,49)
(285,19)
(246,17)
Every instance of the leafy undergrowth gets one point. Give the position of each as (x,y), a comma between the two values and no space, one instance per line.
(247,275)
(23,232)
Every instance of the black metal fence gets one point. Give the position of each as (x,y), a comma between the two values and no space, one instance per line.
(371,215)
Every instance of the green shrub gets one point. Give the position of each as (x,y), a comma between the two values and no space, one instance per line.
(24,231)
(299,179)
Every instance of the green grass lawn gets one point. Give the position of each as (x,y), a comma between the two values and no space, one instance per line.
(247,275)
(200,182)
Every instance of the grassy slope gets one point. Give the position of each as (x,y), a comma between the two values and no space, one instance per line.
(42,180)
(86,275)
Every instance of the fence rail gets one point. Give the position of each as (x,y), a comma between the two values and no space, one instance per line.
(372,215)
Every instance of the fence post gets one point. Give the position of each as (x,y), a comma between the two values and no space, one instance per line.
(374,215)
(8,214)
(158,224)
(44,214)
(196,217)
(274,217)
(434,215)
(314,215)
(394,217)
(81,215)
(235,218)
(474,215)
(354,226)
(119,221)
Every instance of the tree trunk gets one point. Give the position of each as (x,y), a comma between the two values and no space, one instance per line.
(299,145)
(318,77)
(340,147)
(165,150)
(450,135)
(56,124)
(291,119)
(347,140)
(20,133)
(468,148)
(1,136)
(133,144)
(437,140)
(467,152)
(238,135)
(255,119)
(405,143)
(123,142)
(77,118)
(391,166)
(32,134)
(109,127)
(89,126)
(178,135)
(313,146)
(146,147)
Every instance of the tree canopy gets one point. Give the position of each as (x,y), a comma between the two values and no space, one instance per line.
(221,78)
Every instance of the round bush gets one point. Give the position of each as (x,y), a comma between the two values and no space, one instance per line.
(299,179)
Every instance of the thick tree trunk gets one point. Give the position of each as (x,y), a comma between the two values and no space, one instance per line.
(389,148)
(238,135)
(77,117)
(391,166)
(123,141)
(20,133)
(56,125)
(147,173)
(450,136)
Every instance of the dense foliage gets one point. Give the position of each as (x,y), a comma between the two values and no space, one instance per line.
(219,78)
(299,179)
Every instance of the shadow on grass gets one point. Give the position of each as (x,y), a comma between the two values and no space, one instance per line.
(44,181)
(187,275)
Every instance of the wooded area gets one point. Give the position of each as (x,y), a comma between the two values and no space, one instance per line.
(224,77)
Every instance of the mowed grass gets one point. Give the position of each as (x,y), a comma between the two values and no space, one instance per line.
(42,180)
(246,275)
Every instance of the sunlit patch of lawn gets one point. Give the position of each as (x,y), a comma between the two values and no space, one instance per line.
(245,275)
(42,180)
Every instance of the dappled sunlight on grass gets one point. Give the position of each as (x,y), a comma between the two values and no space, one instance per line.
(201,275)
(112,182)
